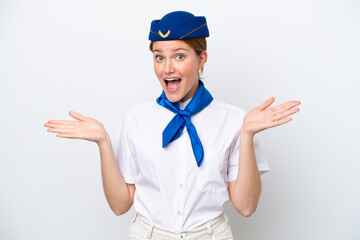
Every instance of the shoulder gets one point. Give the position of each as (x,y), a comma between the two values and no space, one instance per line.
(141,109)
(137,115)
(147,114)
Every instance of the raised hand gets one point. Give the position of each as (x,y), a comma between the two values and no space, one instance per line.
(85,128)
(262,117)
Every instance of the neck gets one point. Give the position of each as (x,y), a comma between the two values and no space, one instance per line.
(191,93)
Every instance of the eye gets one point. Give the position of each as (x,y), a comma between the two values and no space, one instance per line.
(159,58)
(179,57)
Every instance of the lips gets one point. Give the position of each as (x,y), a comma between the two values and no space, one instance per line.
(167,80)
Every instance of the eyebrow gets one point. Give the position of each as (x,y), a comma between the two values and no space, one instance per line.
(175,50)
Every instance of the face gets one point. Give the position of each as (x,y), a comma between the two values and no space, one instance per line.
(176,66)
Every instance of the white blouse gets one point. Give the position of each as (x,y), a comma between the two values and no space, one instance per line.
(171,190)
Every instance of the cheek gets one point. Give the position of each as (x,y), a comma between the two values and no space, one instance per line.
(157,69)
(188,69)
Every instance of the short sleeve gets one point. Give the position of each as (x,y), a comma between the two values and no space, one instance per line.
(233,163)
(124,152)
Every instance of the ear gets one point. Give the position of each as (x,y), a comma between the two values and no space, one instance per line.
(202,59)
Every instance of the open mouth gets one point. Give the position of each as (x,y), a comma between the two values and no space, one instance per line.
(172,84)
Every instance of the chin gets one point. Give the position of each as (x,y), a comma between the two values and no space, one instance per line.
(173,97)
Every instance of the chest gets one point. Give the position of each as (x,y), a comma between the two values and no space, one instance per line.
(215,130)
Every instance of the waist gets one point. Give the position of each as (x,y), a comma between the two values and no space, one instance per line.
(157,231)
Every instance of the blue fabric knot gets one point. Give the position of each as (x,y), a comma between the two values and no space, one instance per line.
(174,129)
(185,113)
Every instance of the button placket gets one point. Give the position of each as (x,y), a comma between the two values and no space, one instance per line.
(180,187)
(180,178)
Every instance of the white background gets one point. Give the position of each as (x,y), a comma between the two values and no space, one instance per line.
(92,57)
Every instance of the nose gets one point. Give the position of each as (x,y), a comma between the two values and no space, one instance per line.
(169,67)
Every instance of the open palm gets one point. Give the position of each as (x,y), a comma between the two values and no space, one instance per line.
(263,117)
(82,128)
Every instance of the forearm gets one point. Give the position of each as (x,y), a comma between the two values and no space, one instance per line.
(247,186)
(245,190)
(117,191)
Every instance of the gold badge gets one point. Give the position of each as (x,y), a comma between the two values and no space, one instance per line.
(164,36)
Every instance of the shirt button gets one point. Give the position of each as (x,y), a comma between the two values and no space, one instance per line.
(180,185)
(178,212)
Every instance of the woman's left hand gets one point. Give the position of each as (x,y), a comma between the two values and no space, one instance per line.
(262,117)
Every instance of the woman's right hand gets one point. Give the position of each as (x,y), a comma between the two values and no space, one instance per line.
(85,128)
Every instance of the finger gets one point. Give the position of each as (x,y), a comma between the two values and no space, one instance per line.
(65,135)
(52,125)
(288,105)
(61,129)
(77,116)
(60,122)
(267,103)
(280,122)
(285,114)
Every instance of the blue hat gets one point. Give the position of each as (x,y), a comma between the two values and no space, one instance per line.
(178,25)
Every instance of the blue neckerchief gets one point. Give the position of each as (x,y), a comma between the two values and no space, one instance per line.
(173,130)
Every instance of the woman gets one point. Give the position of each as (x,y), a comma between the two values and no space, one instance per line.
(179,159)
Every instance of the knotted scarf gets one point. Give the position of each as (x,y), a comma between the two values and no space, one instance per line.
(173,130)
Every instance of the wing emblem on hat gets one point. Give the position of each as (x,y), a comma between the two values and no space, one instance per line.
(164,36)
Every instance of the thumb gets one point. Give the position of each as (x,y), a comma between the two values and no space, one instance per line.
(267,103)
(77,116)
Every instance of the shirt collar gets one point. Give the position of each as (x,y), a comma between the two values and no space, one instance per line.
(182,105)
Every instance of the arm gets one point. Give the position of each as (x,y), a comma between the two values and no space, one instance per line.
(245,190)
(118,193)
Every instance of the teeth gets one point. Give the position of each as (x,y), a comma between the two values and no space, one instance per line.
(172,79)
